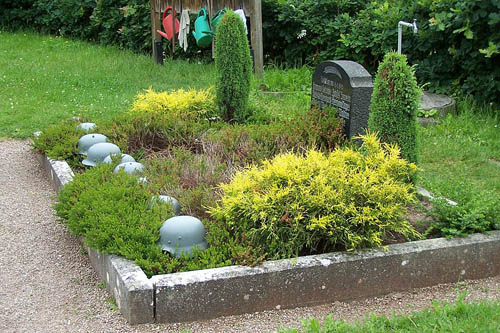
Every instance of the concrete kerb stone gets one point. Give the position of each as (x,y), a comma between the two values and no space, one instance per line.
(289,283)
(325,278)
(125,281)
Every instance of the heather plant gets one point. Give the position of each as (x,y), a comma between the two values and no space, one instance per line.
(234,68)
(59,141)
(394,105)
(347,199)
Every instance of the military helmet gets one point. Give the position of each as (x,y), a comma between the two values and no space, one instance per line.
(87,126)
(88,141)
(180,234)
(172,201)
(129,167)
(98,152)
(124,159)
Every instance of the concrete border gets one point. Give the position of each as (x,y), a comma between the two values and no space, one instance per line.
(288,283)
(125,281)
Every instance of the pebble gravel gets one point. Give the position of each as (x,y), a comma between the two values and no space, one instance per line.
(47,283)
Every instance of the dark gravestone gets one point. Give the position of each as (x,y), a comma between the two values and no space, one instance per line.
(346,86)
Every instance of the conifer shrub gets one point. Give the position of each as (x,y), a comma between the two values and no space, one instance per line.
(177,104)
(347,199)
(234,68)
(394,105)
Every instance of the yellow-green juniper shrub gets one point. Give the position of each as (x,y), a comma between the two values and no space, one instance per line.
(347,199)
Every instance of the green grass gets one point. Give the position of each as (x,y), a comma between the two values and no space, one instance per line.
(460,317)
(458,157)
(44,79)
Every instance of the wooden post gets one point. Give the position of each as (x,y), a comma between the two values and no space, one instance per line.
(155,37)
(257,38)
(174,15)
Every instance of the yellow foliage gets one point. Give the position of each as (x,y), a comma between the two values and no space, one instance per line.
(186,104)
(349,198)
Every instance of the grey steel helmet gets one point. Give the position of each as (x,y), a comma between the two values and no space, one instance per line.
(87,126)
(180,234)
(172,201)
(129,167)
(99,151)
(88,141)
(124,159)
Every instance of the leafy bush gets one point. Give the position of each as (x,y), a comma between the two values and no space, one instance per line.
(295,204)
(177,104)
(66,17)
(126,23)
(296,32)
(234,68)
(15,14)
(394,105)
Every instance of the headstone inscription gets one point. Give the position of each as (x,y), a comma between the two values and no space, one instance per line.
(346,86)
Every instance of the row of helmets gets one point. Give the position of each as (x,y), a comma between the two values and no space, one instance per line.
(179,234)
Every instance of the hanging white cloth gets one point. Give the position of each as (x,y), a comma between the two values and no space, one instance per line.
(241,14)
(184,29)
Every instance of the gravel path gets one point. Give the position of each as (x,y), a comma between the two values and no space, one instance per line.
(48,285)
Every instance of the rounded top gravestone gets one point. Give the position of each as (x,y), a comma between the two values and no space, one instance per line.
(347,87)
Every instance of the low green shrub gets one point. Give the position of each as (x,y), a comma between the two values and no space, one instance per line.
(60,142)
(462,316)
(475,212)
(234,68)
(394,104)
(294,204)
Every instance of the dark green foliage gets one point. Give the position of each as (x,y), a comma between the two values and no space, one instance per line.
(283,22)
(475,212)
(125,23)
(234,68)
(394,105)
(16,14)
(60,142)
(65,18)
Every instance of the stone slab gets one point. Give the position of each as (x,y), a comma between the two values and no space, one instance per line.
(442,103)
(59,172)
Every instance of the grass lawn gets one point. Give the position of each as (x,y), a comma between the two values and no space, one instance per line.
(44,79)
(445,317)
(460,157)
